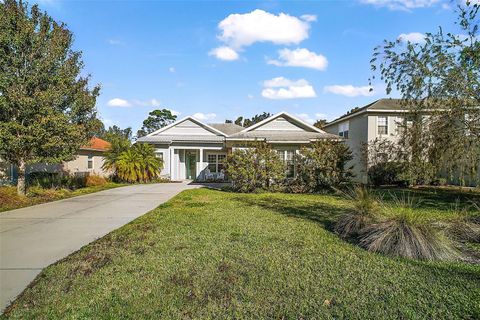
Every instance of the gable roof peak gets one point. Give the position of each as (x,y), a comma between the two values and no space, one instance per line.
(191,118)
(287,115)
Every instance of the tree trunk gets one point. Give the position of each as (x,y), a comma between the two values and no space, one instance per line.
(21,187)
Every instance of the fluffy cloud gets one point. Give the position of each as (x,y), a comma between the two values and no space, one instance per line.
(413,37)
(117,102)
(122,103)
(224,53)
(281,88)
(238,31)
(241,30)
(300,57)
(204,116)
(401,4)
(349,90)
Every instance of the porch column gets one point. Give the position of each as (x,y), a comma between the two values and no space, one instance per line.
(171,162)
(201,163)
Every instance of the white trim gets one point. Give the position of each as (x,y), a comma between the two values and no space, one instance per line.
(206,126)
(282,113)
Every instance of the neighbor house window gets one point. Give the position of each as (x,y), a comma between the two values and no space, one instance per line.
(382,123)
(343,129)
(288,158)
(90,162)
(216,162)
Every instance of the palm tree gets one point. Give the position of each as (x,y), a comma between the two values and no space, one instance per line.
(129,166)
(137,164)
(117,147)
(151,165)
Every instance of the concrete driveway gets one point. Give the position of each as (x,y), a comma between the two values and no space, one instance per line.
(35,237)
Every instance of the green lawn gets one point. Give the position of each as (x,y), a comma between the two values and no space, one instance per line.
(211,254)
(9,199)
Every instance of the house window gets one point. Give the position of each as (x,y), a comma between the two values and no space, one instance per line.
(343,129)
(216,162)
(90,162)
(288,158)
(382,123)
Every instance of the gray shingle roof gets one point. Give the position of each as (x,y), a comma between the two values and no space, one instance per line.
(227,128)
(381,104)
(276,135)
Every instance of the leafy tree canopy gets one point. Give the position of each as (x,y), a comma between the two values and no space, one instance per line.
(46,105)
(156,119)
(115,133)
(439,81)
(320,123)
(246,122)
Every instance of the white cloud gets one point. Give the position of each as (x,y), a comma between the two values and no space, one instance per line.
(401,4)
(224,53)
(300,57)
(349,90)
(204,116)
(123,103)
(155,103)
(238,31)
(115,42)
(172,69)
(175,112)
(250,96)
(413,37)
(117,102)
(281,88)
(309,17)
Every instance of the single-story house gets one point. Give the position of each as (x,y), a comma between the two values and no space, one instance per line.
(89,160)
(194,150)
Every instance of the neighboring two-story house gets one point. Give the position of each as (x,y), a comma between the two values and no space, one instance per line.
(379,119)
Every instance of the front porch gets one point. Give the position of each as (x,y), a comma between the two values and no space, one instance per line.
(197,163)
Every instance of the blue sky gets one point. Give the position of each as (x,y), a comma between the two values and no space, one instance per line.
(219,60)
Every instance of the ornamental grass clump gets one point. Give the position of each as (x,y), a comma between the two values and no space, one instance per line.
(464,227)
(403,231)
(365,208)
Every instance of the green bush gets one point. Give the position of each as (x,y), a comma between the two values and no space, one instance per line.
(56,180)
(386,173)
(255,167)
(323,166)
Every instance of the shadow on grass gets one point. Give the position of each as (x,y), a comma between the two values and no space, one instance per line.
(432,198)
(320,212)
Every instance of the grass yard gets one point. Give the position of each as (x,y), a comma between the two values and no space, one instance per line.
(211,254)
(9,199)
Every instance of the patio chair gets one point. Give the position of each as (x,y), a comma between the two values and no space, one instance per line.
(221,175)
(208,174)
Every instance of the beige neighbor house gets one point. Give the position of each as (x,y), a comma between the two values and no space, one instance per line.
(382,119)
(377,120)
(89,160)
(192,150)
